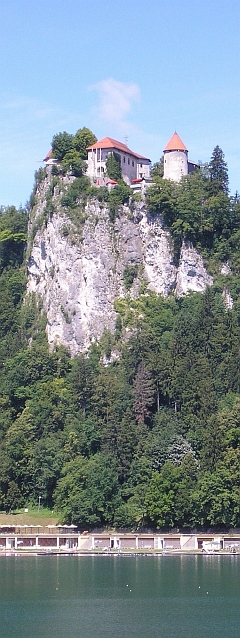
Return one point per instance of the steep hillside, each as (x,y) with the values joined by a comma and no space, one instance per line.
(81,260)
(131,417)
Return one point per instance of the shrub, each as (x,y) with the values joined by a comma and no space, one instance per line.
(129,274)
(119,195)
(79,188)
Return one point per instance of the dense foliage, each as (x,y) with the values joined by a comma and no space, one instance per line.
(152,437)
(71,150)
(113,166)
(199,210)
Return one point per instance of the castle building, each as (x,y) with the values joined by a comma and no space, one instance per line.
(176,162)
(135,168)
(133,165)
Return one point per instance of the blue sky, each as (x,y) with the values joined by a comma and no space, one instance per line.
(123,68)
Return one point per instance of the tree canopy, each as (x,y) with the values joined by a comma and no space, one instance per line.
(71,150)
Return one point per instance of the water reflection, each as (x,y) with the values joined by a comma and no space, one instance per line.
(155,597)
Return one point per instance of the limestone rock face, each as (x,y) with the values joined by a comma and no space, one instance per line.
(79,277)
(191,273)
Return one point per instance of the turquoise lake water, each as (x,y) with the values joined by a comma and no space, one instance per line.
(120,597)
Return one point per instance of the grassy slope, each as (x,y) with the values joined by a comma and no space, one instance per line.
(32,517)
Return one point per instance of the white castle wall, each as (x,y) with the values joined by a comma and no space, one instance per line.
(175,165)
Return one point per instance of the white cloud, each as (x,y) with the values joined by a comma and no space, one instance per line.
(116,100)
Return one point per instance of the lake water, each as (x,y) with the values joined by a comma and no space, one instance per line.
(120,597)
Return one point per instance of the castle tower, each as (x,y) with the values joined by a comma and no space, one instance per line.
(175,159)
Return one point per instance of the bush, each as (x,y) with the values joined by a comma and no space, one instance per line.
(76,191)
(73,162)
(129,274)
(118,195)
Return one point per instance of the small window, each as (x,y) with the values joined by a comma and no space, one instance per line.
(132,163)
(128,161)
(124,160)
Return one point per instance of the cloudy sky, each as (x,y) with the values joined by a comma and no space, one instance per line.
(130,70)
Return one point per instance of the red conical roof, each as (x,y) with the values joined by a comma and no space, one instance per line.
(175,144)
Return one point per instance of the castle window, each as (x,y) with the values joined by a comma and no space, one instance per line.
(128,161)
(124,160)
(132,163)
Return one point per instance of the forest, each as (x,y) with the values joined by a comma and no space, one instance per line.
(151,439)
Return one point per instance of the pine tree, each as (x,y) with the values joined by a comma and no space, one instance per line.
(143,393)
(218,172)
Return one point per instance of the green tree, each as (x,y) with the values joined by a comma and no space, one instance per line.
(143,393)
(19,443)
(81,380)
(62,143)
(46,466)
(188,476)
(72,161)
(216,500)
(87,494)
(161,200)
(82,139)
(13,498)
(13,236)
(160,496)
(157,169)
(76,192)
(113,166)
(218,172)
(118,195)
(193,219)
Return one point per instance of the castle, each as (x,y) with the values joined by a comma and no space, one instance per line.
(133,165)
(136,168)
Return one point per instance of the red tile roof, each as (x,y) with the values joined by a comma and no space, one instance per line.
(49,154)
(108,142)
(175,144)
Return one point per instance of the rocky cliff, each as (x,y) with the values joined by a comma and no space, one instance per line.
(80,272)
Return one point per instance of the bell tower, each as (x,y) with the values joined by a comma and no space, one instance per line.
(175,159)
